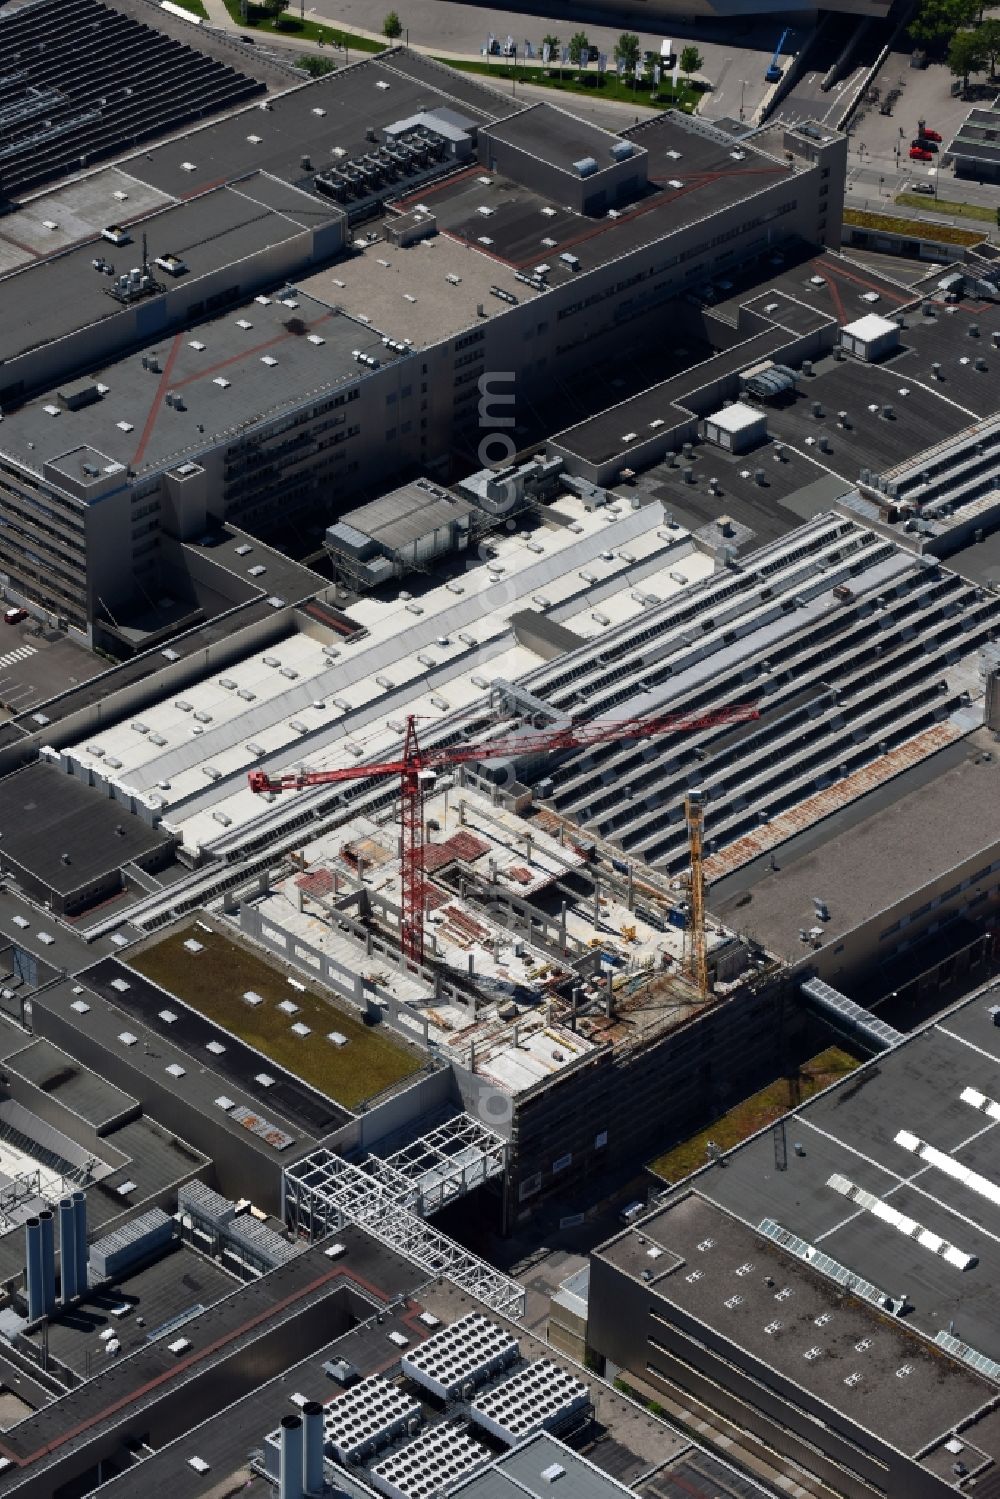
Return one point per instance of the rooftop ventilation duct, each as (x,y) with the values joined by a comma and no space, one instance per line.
(67,1249)
(312,1448)
(34,1274)
(80,1213)
(47,1222)
(290,1486)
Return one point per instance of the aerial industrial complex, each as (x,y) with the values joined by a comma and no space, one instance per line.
(504,664)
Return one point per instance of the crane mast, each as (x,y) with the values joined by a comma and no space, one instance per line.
(416,767)
(694,811)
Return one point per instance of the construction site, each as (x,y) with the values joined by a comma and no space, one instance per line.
(494,824)
(401,850)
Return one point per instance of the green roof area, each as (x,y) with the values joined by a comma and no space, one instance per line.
(889,223)
(755,1113)
(215,983)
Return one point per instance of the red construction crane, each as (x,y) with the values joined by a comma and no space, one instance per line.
(416,769)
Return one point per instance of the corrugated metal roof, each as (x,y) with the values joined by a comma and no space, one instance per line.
(770,834)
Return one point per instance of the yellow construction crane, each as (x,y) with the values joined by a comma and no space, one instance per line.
(694,811)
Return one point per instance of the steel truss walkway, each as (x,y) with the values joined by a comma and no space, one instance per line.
(444,1164)
(322,1191)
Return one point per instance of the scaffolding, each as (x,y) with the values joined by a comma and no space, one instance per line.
(322,1192)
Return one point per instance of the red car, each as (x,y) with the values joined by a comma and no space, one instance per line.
(14,615)
(918,153)
(930,135)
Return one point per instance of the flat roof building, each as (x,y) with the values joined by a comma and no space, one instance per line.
(69,82)
(975,150)
(405,530)
(247,416)
(66,847)
(834,1277)
(693,1298)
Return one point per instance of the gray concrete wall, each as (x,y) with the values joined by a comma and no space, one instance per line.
(423,1097)
(54,1112)
(970,889)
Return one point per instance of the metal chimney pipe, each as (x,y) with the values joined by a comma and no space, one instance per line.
(290,1483)
(312,1447)
(82,1253)
(47,1222)
(33,1255)
(67,1249)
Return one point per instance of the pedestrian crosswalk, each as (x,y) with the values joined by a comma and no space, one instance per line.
(11,658)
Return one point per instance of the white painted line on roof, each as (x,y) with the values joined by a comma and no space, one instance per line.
(879,1165)
(992,1056)
(946,1207)
(930,389)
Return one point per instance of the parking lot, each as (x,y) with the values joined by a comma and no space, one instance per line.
(879,165)
(33,669)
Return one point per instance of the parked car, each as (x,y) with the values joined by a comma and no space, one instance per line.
(14,616)
(929,135)
(921,187)
(923,144)
(918,153)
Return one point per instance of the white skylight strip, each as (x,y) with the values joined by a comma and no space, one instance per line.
(981,1102)
(886,1213)
(946,1163)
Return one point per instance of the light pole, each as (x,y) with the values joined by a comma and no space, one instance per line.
(743,85)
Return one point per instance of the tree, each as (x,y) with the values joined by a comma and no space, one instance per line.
(937,21)
(552,42)
(691,61)
(579,48)
(966,54)
(275,8)
(989,37)
(392,26)
(316,66)
(627,51)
